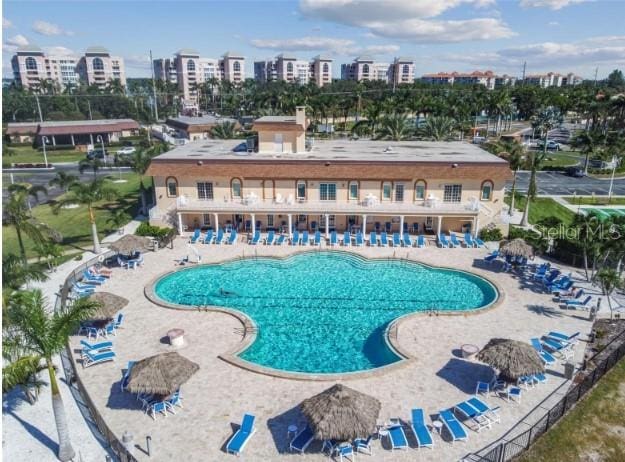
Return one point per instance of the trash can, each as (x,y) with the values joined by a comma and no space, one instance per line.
(569,370)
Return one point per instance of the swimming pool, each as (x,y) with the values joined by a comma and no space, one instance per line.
(324,312)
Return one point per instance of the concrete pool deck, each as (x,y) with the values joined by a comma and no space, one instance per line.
(216,397)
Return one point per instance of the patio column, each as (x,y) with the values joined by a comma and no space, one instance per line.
(476,224)
(327,217)
(73,142)
(216,216)
(438,227)
(401,226)
(253,217)
(180,223)
(290,225)
(91,137)
(53,141)
(364,225)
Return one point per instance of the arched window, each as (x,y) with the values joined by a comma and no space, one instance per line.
(236,66)
(191,65)
(326,68)
(353,190)
(486,193)
(365,69)
(420,188)
(406,69)
(172,187)
(31,64)
(289,67)
(98,64)
(236,188)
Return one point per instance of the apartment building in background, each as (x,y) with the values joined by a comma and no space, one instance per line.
(365,68)
(288,68)
(401,71)
(553,79)
(31,66)
(188,69)
(487,78)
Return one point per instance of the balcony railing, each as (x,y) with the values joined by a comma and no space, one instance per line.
(371,206)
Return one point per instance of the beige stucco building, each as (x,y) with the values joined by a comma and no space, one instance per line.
(290,69)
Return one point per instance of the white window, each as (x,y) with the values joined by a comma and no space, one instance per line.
(270,221)
(399,192)
(205,191)
(353,190)
(419,191)
(453,193)
(236,188)
(172,187)
(301,190)
(206,219)
(387,191)
(236,66)
(331,221)
(487,191)
(327,191)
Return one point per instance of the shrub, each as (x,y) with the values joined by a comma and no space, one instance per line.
(146,229)
(493,234)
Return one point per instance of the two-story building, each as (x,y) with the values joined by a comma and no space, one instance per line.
(290,183)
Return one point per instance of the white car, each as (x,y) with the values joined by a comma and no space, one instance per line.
(126,151)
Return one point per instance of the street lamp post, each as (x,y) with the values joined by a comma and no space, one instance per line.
(612,179)
(101,140)
(44,139)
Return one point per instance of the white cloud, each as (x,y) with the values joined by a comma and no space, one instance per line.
(409,20)
(48,28)
(59,51)
(137,61)
(553,23)
(6,23)
(551,4)
(330,45)
(18,40)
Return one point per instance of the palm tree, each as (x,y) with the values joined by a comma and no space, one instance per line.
(439,128)
(224,131)
(609,280)
(118,219)
(395,127)
(17,213)
(89,194)
(544,121)
(50,252)
(39,335)
(587,237)
(587,142)
(90,164)
(514,153)
(140,162)
(15,273)
(63,180)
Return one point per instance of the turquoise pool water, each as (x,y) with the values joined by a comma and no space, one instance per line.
(324,312)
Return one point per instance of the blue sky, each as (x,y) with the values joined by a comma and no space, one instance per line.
(441,35)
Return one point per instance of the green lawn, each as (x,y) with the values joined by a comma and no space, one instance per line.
(593,430)
(560,159)
(599,200)
(29,155)
(73,224)
(543,207)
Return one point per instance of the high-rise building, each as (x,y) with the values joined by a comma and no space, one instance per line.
(321,70)
(401,71)
(98,67)
(553,79)
(487,78)
(165,69)
(291,69)
(366,68)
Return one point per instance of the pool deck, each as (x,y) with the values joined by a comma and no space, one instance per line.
(216,397)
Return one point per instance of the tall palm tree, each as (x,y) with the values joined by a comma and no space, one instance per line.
(609,280)
(15,273)
(39,335)
(588,142)
(224,131)
(439,128)
(395,127)
(17,214)
(140,162)
(89,194)
(587,226)
(514,153)
(63,180)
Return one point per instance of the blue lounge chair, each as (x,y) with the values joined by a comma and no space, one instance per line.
(126,377)
(468,240)
(452,425)
(373,239)
(232,239)
(539,378)
(575,303)
(208,237)
(454,240)
(383,239)
(559,336)
(553,274)
(442,241)
(305,238)
(473,415)
(317,238)
(195,237)
(77,287)
(271,236)
(95,348)
(255,239)
(396,240)
(176,399)
(421,241)
(159,407)
(117,323)
(577,296)
(360,241)
(87,276)
(295,238)
(91,359)
(220,236)
(565,287)
(334,240)
(514,392)
(406,240)
(491,257)
(242,436)
(547,358)
(420,430)
(491,413)
(302,440)
(558,348)
(281,239)
(363,445)
(347,239)
(479,242)
(397,437)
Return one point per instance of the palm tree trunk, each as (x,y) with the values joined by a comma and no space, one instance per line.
(20,241)
(66,451)
(512,192)
(530,189)
(585,252)
(94,232)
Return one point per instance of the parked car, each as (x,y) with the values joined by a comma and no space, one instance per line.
(479,139)
(125,151)
(551,145)
(98,153)
(575,172)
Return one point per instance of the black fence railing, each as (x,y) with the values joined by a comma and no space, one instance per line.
(508,449)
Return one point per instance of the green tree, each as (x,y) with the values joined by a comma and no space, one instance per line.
(616,79)
(90,164)
(16,274)
(118,218)
(17,214)
(588,143)
(63,180)
(439,128)
(37,334)
(395,127)
(89,194)
(224,131)
(514,153)
(588,237)
(609,280)
(50,252)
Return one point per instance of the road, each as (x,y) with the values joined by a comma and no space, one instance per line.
(559,184)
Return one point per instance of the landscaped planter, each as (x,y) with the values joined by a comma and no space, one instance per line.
(33,166)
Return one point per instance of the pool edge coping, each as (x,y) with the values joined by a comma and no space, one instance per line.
(232,356)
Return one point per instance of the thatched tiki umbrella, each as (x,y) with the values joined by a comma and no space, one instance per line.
(110,304)
(513,359)
(517,248)
(341,413)
(130,243)
(161,374)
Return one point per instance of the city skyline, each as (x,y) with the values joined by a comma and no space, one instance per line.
(449,35)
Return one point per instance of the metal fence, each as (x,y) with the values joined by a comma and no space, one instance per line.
(509,449)
(69,365)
